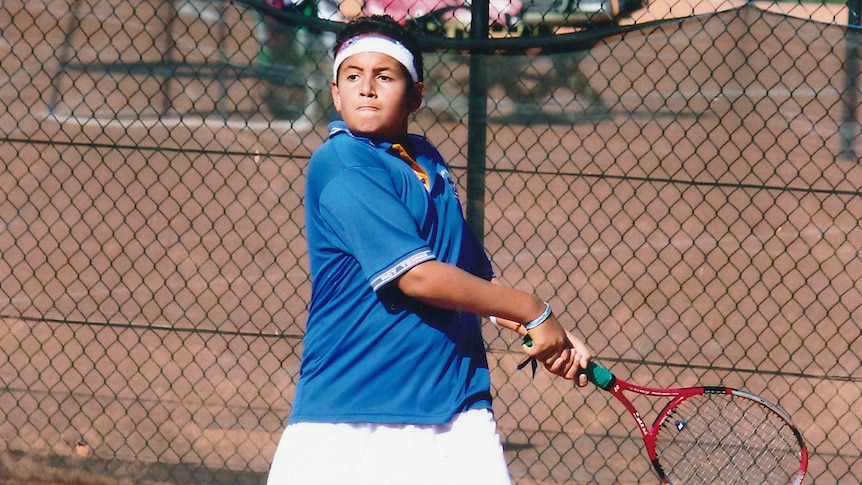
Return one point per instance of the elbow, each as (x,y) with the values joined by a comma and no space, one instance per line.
(410,285)
(414,282)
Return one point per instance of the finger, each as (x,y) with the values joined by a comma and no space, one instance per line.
(558,366)
(568,369)
(573,371)
(584,354)
(558,362)
(582,380)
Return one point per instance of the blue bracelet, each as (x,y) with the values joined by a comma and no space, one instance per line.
(541,319)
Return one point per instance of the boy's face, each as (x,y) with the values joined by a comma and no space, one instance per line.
(375,96)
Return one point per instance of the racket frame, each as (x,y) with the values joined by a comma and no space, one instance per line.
(604,379)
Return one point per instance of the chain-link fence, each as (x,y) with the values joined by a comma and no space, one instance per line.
(681,180)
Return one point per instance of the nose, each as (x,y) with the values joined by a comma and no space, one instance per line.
(367,86)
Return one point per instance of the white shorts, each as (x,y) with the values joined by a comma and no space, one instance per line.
(465,451)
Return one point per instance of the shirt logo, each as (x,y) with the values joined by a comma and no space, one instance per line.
(447,176)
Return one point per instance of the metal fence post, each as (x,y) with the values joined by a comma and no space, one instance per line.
(850,126)
(477,123)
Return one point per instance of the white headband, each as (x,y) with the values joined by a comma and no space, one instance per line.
(378,44)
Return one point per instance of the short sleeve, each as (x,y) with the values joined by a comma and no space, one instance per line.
(370,221)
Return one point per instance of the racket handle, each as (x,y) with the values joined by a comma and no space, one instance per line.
(596,374)
(599,375)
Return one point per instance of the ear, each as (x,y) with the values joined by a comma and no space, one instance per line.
(414,96)
(336,97)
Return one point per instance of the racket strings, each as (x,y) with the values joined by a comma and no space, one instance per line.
(722,438)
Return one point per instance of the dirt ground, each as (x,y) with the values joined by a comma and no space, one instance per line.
(154,281)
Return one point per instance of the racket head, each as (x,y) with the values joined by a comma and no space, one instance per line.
(723,435)
(715,435)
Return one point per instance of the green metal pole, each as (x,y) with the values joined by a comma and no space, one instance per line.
(850,125)
(477,122)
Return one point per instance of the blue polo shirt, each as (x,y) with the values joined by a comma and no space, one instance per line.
(371,354)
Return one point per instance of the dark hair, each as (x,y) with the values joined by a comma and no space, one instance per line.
(383,25)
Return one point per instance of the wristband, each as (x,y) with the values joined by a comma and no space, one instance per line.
(493,320)
(541,318)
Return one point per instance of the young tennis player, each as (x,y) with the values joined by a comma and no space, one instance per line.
(394,386)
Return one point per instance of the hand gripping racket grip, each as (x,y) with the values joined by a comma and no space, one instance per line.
(599,376)
(596,374)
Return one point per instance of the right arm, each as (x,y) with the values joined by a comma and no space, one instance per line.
(447,286)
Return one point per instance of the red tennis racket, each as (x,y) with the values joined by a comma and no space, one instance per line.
(713,435)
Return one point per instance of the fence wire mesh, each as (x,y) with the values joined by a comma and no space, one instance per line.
(680,179)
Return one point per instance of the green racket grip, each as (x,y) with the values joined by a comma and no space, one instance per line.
(599,375)
(595,373)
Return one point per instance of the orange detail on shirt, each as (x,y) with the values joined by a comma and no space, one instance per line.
(399,151)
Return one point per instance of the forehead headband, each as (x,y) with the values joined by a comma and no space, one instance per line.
(378,44)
